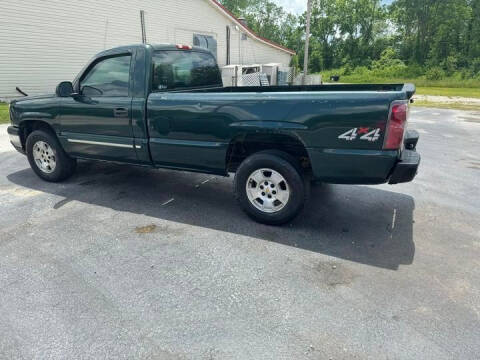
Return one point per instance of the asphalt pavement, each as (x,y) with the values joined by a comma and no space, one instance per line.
(129,262)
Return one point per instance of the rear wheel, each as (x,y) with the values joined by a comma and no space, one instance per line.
(269,188)
(47,158)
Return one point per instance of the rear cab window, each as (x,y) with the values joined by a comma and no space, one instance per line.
(177,70)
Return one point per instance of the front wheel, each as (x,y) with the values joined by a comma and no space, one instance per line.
(269,188)
(47,157)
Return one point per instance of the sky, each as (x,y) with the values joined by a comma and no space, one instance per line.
(293,6)
(300,6)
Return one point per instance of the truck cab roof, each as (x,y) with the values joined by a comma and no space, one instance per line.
(154,47)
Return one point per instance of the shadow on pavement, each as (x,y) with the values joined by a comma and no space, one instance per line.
(357,223)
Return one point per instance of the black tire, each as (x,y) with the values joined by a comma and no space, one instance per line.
(287,157)
(288,170)
(64,165)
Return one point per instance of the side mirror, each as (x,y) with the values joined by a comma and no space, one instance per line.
(64,89)
(88,90)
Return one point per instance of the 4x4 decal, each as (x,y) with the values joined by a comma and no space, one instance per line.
(362,133)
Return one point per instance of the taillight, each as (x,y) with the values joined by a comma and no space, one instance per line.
(396,125)
(184,47)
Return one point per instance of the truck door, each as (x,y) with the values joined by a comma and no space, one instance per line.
(187,130)
(96,123)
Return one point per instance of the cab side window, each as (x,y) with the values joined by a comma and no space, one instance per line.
(109,77)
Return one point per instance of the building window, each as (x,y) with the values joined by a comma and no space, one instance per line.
(207,42)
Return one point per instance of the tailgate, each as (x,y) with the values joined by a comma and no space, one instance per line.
(352,119)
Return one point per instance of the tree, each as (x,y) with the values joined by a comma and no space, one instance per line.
(430,31)
(323,30)
(237,7)
(268,20)
(473,32)
(440,34)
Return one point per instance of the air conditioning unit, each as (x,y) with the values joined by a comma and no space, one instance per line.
(271,70)
(285,76)
(229,75)
(241,75)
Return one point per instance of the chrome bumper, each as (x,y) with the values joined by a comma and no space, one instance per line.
(15,139)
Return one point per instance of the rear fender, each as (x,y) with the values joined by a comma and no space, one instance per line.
(255,138)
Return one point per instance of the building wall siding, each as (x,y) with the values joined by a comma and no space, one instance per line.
(44,42)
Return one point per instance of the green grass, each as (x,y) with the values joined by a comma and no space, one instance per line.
(442,91)
(419,82)
(451,86)
(4,116)
(437,105)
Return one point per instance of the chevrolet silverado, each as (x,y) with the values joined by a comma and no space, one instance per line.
(164,106)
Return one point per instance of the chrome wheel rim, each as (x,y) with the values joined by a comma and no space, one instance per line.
(45,157)
(267,190)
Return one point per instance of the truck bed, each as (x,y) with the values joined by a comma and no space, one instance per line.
(197,127)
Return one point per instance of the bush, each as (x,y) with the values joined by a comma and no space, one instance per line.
(347,70)
(315,62)
(475,67)
(388,59)
(463,74)
(362,70)
(414,71)
(435,73)
(392,71)
(295,63)
(450,64)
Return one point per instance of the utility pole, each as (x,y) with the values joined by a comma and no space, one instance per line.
(307,41)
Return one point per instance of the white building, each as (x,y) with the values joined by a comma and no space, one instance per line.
(43,42)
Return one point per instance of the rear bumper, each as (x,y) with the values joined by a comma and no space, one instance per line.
(15,139)
(406,169)
(411,139)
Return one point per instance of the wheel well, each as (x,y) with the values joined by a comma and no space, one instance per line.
(245,145)
(29,126)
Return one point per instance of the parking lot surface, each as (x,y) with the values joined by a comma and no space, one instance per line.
(129,262)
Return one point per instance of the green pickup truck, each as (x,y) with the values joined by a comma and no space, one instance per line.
(164,106)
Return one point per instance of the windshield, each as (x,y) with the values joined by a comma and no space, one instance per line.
(184,69)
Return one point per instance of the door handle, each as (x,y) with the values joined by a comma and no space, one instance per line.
(120,112)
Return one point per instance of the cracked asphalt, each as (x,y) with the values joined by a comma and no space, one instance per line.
(128,262)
